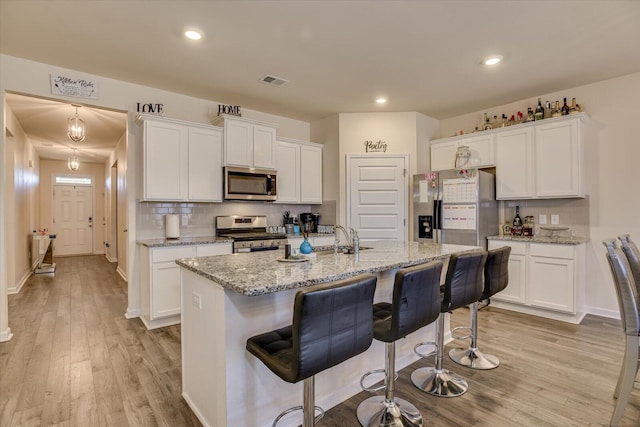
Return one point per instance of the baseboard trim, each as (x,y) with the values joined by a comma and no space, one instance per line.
(6,335)
(132,314)
(603,312)
(121,273)
(110,259)
(16,289)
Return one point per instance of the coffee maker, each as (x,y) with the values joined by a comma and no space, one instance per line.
(310,220)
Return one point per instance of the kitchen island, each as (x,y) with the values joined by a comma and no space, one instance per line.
(227,299)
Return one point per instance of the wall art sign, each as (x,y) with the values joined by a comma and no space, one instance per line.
(375,146)
(233,110)
(73,86)
(150,108)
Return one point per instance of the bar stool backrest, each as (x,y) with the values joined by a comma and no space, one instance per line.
(416,299)
(496,271)
(331,324)
(463,285)
(625,288)
(633,257)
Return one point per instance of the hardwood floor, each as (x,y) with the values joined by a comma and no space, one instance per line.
(75,360)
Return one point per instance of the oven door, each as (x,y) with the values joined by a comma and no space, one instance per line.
(249,184)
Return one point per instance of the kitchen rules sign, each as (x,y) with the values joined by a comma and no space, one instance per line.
(72,86)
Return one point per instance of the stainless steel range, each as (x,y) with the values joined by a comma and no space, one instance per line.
(249,233)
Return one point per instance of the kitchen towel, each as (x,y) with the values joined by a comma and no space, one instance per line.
(172,226)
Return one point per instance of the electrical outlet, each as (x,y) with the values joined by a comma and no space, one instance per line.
(542,219)
(196,299)
(555,219)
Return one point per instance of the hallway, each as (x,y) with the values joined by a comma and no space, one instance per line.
(75,360)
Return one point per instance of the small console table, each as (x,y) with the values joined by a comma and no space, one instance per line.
(42,254)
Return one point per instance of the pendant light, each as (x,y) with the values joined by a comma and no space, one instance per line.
(75,127)
(73,163)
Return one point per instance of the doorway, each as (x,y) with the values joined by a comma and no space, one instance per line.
(377,194)
(73,219)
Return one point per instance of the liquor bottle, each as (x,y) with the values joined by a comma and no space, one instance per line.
(504,121)
(565,108)
(530,117)
(487,125)
(556,110)
(517,223)
(547,110)
(539,114)
(575,108)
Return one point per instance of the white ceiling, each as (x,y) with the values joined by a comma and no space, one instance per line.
(338,55)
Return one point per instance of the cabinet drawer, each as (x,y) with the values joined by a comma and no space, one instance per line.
(171,254)
(517,248)
(210,250)
(552,251)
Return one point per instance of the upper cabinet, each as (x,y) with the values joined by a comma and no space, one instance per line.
(299,166)
(248,143)
(181,161)
(481,146)
(541,160)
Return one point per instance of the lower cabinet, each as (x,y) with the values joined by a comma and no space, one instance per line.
(160,280)
(544,279)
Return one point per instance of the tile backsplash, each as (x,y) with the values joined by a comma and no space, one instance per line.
(198,219)
(573,213)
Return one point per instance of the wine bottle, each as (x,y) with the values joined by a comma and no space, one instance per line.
(539,113)
(517,223)
(565,108)
(556,110)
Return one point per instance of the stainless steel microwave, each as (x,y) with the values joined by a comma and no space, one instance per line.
(249,184)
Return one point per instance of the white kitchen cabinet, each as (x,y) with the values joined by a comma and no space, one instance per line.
(541,159)
(160,280)
(481,146)
(544,279)
(181,161)
(248,143)
(299,166)
(515,173)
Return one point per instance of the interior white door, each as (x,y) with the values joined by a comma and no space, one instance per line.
(377,196)
(73,219)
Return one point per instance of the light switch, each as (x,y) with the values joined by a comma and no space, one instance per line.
(555,219)
(542,219)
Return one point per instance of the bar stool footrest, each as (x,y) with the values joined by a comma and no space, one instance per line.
(460,337)
(425,355)
(381,387)
(295,409)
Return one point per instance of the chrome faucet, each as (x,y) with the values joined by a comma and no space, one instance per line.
(353,240)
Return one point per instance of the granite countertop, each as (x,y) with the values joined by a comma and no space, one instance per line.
(259,273)
(184,241)
(558,240)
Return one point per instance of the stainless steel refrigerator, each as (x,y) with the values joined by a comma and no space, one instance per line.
(454,207)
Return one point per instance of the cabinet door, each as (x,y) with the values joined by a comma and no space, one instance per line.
(310,174)
(165,290)
(165,161)
(205,165)
(558,162)
(482,150)
(238,143)
(264,141)
(443,155)
(288,166)
(515,290)
(551,278)
(514,164)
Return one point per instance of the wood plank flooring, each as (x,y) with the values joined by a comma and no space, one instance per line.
(75,360)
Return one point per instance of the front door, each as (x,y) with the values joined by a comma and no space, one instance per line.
(73,219)
(377,191)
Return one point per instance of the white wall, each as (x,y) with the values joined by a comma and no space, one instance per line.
(612,153)
(32,78)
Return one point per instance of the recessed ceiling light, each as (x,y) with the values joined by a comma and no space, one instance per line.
(381,100)
(193,34)
(492,60)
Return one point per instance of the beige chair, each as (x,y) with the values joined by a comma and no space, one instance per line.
(627,294)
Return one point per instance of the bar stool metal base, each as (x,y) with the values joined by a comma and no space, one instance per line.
(474,358)
(441,383)
(376,411)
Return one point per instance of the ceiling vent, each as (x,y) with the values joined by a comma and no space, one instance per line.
(273,80)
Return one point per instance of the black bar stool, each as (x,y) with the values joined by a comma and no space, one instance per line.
(331,323)
(496,278)
(628,302)
(463,286)
(416,303)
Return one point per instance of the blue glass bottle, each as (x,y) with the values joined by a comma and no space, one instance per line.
(305,247)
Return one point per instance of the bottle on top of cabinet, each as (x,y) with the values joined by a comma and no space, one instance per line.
(556,110)
(539,112)
(565,108)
